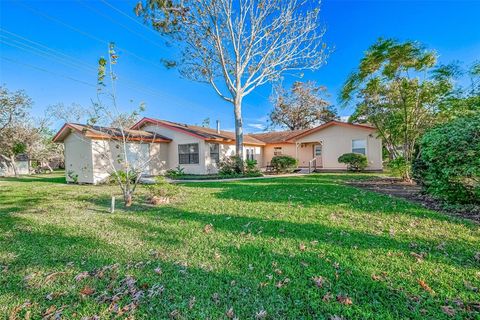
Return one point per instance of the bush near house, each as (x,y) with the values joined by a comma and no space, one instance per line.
(283,163)
(354,161)
(399,167)
(449,163)
(232,167)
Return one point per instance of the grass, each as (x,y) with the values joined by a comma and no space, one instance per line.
(212,176)
(304,247)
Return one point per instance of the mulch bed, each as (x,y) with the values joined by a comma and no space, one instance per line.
(412,192)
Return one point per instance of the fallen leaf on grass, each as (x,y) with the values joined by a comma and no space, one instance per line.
(448,310)
(215,298)
(158,271)
(318,281)
(175,314)
(52,276)
(376,277)
(208,228)
(425,286)
(191,302)
(86,291)
(418,256)
(282,283)
(81,276)
(302,247)
(344,300)
(262,314)
(477,256)
(469,286)
(229,314)
(327,297)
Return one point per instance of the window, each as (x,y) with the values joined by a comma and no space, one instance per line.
(188,153)
(215,152)
(318,150)
(250,153)
(277,151)
(359,146)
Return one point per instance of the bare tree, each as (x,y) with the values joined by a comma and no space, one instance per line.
(13,106)
(120,149)
(72,113)
(239,45)
(302,107)
(15,128)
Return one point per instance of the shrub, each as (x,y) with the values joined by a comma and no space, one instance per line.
(161,188)
(283,163)
(175,173)
(230,166)
(399,167)
(449,164)
(251,169)
(72,175)
(354,161)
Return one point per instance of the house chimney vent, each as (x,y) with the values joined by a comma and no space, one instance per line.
(218,126)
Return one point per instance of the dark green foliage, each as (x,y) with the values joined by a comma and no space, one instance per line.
(284,163)
(251,168)
(354,161)
(175,173)
(449,165)
(399,167)
(230,166)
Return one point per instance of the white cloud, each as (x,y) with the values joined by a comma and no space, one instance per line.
(258,126)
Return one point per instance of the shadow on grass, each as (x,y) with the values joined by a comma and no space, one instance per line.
(41,178)
(456,252)
(321,189)
(50,249)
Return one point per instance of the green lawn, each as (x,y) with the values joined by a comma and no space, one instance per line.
(305,247)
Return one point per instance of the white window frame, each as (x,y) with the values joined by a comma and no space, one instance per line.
(212,159)
(190,154)
(351,145)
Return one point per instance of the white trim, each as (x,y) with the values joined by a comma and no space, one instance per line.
(366,146)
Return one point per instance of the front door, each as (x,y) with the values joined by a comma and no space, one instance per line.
(317,154)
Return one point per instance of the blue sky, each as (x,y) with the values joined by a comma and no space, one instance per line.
(81,29)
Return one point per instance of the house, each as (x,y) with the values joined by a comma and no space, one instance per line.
(22,163)
(89,150)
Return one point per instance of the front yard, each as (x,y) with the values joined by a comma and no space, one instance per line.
(304,247)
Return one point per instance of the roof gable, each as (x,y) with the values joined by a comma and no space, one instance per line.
(103,133)
(292,136)
(333,123)
(207,134)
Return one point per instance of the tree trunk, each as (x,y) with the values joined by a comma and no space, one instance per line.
(14,166)
(127,197)
(238,127)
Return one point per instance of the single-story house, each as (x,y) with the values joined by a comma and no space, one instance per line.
(91,151)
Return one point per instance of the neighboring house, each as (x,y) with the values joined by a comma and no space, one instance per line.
(22,163)
(198,150)
(324,143)
(91,151)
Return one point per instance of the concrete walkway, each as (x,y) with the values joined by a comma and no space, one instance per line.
(241,179)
